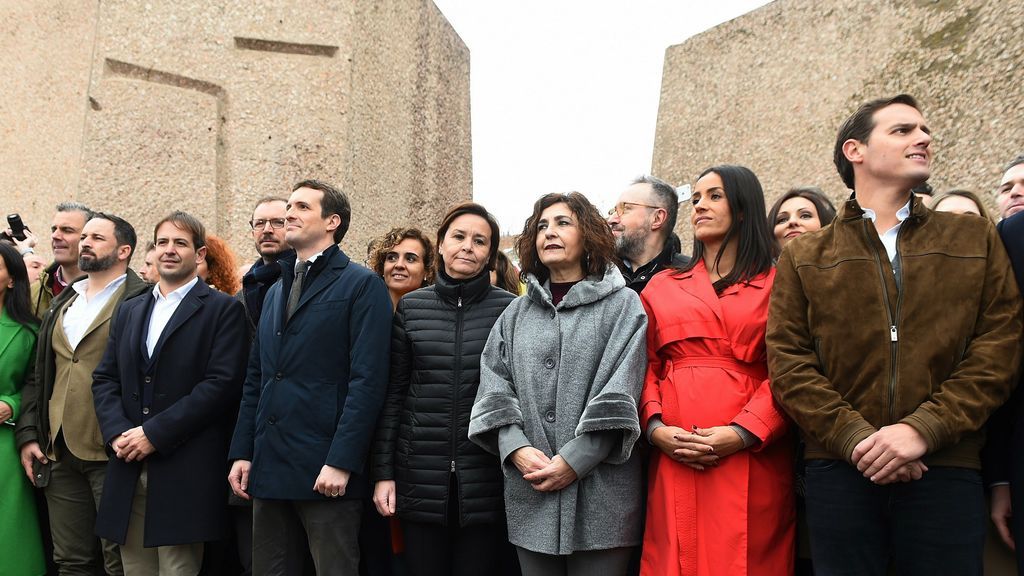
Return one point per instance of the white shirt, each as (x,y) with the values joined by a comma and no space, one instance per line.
(83,311)
(888,237)
(163,309)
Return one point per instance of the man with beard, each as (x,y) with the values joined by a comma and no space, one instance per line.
(268,221)
(642,222)
(165,392)
(58,427)
(1010,193)
(65,233)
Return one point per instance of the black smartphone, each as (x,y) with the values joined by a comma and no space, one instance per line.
(40,473)
(16,225)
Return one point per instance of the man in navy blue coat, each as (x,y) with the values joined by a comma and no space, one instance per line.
(165,393)
(316,382)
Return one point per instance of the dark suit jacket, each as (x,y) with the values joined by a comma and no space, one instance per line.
(315,385)
(184,397)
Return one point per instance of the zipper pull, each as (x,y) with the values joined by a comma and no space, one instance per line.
(460,306)
(453,465)
(892,333)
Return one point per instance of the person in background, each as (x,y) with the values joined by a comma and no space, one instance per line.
(148,271)
(445,490)
(723,454)
(504,275)
(21,547)
(560,377)
(642,222)
(220,267)
(959,202)
(404,258)
(799,211)
(65,233)
(1010,192)
(268,233)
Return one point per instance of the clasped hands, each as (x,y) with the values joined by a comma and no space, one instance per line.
(545,474)
(891,454)
(132,445)
(698,448)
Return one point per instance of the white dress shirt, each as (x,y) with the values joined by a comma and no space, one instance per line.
(889,236)
(83,311)
(163,309)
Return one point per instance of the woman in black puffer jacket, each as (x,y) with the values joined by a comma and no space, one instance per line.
(446,491)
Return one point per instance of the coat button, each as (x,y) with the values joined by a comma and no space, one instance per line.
(145,410)
(549,363)
(278,376)
(278,332)
(550,416)
(272,420)
(75,360)
(135,396)
(147,379)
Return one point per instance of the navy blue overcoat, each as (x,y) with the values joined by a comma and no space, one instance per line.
(315,385)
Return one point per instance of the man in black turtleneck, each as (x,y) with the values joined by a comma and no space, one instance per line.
(642,223)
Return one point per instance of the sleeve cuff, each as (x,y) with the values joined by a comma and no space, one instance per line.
(584,452)
(748,438)
(510,439)
(653,424)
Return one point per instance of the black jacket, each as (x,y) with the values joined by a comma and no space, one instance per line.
(255,284)
(422,437)
(637,279)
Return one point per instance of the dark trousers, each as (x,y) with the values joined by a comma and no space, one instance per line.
(935,525)
(283,529)
(611,562)
(453,550)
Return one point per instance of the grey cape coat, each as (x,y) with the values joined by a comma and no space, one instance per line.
(558,374)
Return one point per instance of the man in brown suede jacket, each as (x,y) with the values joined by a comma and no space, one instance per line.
(893,334)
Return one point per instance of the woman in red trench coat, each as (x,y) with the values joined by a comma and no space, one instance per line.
(720,500)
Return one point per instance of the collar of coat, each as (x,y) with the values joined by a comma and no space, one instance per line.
(469,290)
(587,291)
(852,210)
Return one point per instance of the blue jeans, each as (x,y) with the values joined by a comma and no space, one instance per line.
(935,525)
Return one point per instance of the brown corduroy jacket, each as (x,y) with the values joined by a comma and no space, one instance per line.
(850,351)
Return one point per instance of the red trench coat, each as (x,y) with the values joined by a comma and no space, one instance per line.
(707,367)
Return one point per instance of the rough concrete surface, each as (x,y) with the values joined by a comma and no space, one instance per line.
(769,89)
(139,107)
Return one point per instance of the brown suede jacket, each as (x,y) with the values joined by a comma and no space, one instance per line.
(849,352)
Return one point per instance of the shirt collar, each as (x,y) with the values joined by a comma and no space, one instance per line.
(176,295)
(83,285)
(901,214)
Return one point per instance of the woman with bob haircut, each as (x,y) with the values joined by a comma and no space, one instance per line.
(559,382)
(220,267)
(721,498)
(404,258)
(21,547)
(799,211)
(445,490)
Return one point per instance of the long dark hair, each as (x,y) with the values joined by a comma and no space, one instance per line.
(596,237)
(17,303)
(748,229)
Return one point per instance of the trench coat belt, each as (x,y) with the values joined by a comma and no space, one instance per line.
(756,370)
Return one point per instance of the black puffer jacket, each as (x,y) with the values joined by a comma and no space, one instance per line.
(422,436)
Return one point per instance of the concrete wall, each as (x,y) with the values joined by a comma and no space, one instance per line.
(769,89)
(139,107)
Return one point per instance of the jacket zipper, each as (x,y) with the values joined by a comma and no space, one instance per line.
(893,318)
(455,389)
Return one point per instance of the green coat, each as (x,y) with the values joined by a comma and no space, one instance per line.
(20,544)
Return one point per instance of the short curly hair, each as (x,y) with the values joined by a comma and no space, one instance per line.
(393,238)
(596,236)
(222,265)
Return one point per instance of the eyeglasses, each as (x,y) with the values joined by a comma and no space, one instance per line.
(620,208)
(275,223)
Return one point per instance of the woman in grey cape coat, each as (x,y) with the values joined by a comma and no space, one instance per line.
(559,381)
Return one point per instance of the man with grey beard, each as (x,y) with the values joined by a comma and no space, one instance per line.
(642,222)
(58,428)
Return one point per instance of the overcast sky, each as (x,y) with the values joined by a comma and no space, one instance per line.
(565,92)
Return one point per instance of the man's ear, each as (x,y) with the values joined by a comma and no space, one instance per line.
(333,222)
(201,255)
(854,151)
(659,219)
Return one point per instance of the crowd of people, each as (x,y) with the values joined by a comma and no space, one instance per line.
(840,379)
